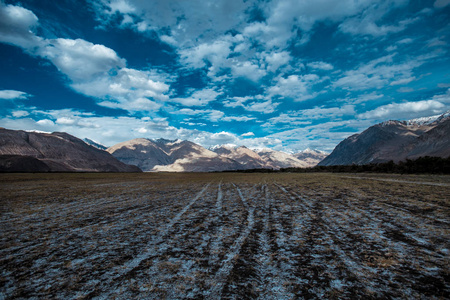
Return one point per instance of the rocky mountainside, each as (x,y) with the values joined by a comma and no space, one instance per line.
(311,157)
(184,156)
(171,156)
(394,140)
(278,159)
(22,151)
(249,159)
(94,144)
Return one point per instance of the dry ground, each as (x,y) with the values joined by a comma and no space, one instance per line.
(228,236)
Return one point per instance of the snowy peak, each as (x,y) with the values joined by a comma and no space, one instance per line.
(395,140)
(311,156)
(278,159)
(95,144)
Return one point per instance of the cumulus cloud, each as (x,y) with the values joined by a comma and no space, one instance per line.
(247,134)
(92,69)
(81,60)
(406,110)
(17,25)
(247,69)
(13,95)
(298,87)
(320,65)
(198,98)
(275,60)
(20,113)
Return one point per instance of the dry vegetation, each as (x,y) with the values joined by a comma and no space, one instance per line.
(231,236)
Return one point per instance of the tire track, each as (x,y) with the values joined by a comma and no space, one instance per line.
(120,271)
(220,278)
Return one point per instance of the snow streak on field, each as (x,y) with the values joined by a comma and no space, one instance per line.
(229,236)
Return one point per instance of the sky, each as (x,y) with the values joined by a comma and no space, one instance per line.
(282,74)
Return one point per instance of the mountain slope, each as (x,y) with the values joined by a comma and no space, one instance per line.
(311,157)
(394,140)
(171,156)
(249,159)
(277,159)
(143,153)
(58,151)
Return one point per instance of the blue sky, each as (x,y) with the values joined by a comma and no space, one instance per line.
(283,74)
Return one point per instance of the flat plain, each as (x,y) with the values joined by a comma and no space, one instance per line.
(224,236)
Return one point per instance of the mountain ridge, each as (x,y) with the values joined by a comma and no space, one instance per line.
(394,140)
(23,151)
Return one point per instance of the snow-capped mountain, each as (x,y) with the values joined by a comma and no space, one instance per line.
(395,140)
(95,144)
(279,159)
(249,159)
(184,156)
(310,156)
(171,156)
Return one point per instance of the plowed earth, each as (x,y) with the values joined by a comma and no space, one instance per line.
(224,236)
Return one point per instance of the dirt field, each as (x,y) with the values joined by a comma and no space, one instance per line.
(224,236)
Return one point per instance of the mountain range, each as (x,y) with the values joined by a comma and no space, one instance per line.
(396,141)
(22,151)
(185,156)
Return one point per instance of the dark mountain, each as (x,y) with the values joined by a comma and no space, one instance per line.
(94,144)
(58,151)
(394,140)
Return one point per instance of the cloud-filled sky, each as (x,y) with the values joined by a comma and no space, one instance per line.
(284,74)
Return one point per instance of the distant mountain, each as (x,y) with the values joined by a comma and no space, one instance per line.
(22,151)
(311,157)
(394,140)
(249,159)
(171,156)
(278,159)
(94,144)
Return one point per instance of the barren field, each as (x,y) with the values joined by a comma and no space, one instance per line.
(224,236)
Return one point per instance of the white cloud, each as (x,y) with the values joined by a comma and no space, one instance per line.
(305,116)
(186,21)
(406,110)
(247,69)
(320,65)
(93,70)
(298,87)
(128,89)
(403,81)
(247,134)
(198,98)
(13,95)
(367,26)
(367,22)
(17,25)
(275,60)
(211,115)
(20,113)
(379,73)
(237,119)
(81,60)
(216,53)
(258,103)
